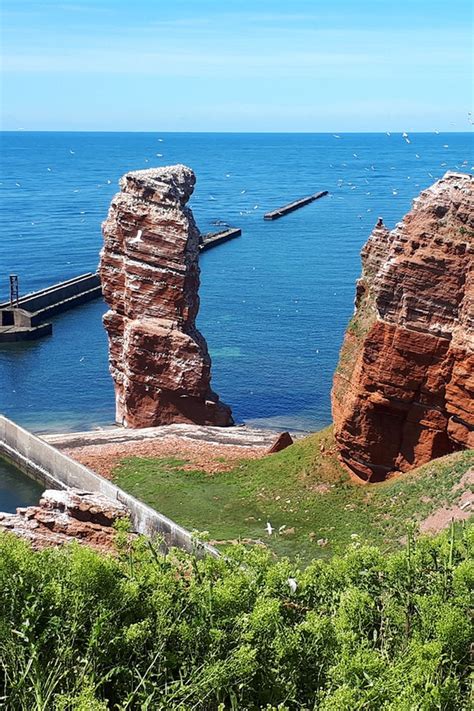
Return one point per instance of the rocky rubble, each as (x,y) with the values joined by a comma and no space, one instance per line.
(403,391)
(64,516)
(150,277)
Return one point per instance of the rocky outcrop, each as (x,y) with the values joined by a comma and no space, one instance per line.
(150,276)
(283,441)
(403,391)
(64,516)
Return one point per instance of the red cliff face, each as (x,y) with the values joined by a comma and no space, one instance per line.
(150,277)
(403,391)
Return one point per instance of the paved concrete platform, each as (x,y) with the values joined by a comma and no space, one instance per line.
(240,436)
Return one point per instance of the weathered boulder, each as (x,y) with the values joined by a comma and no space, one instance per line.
(282,441)
(403,391)
(150,277)
(64,516)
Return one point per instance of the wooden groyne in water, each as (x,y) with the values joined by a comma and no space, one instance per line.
(215,238)
(25,319)
(281,211)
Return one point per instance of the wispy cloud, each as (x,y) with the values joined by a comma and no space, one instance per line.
(213,58)
(137,58)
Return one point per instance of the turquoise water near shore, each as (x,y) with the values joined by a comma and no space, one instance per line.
(274,302)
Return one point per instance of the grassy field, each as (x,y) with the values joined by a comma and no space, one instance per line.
(302,489)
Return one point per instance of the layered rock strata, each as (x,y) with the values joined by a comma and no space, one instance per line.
(403,391)
(64,516)
(150,277)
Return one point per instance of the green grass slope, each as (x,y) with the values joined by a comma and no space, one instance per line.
(303,489)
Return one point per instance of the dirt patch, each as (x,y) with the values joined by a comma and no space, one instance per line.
(461,511)
(237,542)
(320,488)
(206,456)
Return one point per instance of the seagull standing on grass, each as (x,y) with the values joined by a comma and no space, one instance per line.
(269,528)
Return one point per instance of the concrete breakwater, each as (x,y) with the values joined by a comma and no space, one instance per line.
(285,209)
(25,319)
(56,470)
(215,238)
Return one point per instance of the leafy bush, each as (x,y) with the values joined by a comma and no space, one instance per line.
(143,630)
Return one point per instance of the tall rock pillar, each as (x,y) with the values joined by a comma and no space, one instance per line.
(150,276)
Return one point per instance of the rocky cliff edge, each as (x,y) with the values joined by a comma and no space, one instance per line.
(403,391)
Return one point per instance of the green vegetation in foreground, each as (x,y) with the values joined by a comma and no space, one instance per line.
(301,488)
(81,631)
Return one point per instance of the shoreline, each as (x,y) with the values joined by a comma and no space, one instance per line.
(211,449)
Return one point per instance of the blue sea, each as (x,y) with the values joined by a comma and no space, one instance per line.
(274,302)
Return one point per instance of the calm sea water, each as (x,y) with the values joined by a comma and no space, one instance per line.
(16,489)
(274,302)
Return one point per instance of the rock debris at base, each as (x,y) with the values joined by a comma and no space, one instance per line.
(67,515)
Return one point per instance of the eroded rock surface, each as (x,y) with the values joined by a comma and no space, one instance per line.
(64,516)
(403,391)
(283,441)
(150,276)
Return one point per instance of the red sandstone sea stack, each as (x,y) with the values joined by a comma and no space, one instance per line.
(403,391)
(150,277)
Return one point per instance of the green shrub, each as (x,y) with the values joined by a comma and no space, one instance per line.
(81,631)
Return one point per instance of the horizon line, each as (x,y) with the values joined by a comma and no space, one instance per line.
(263,133)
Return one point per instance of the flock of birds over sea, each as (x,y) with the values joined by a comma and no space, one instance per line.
(342,183)
(249,206)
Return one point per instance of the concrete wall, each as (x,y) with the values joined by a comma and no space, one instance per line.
(16,334)
(25,297)
(56,470)
(21,317)
(60,292)
(69,303)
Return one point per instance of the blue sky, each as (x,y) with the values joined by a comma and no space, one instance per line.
(225,65)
